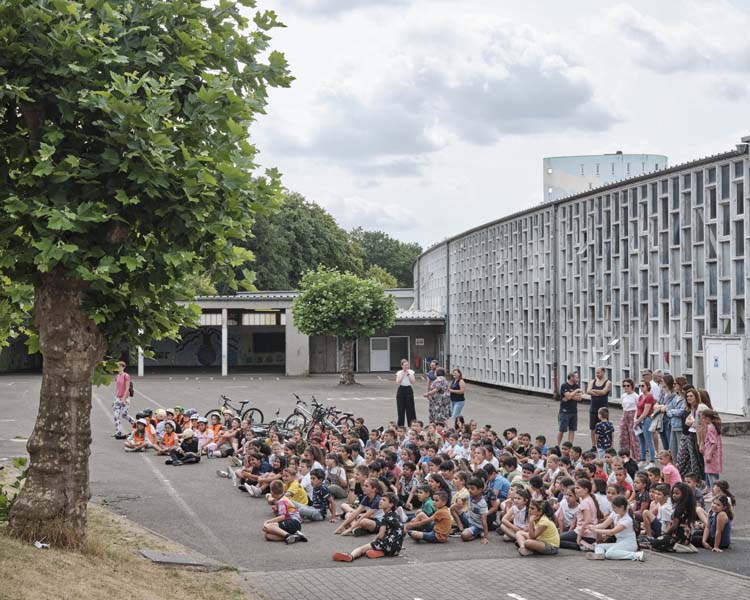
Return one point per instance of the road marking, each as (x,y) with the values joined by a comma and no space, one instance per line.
(151,400)
(595,594)
(516,596)
(194,519)
(7,420)
(12,383)
(235,387)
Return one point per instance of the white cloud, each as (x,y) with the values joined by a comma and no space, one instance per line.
(326,8)
(446,81)
(356,211)
(686,45)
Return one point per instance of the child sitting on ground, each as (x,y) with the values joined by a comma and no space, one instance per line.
(441,520)
(390,535)
(542,537)
(286,526)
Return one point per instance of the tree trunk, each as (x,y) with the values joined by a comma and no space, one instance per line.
(347,362)
(52,504)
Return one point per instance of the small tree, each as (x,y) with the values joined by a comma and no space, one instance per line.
(125,169)
(343,305)
(382,276)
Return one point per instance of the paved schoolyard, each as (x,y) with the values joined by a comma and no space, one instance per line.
(194,507)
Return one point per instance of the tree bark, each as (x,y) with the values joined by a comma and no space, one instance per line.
(347,362)
(52,504)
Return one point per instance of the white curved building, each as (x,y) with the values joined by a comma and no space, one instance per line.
(649,272)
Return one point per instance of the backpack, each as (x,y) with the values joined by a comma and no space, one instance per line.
(130,390)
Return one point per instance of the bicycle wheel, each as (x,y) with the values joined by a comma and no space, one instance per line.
(254,415)
(216,411)
(345,419)
(295,420)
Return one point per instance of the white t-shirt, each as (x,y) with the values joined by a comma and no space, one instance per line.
(405,379)
(629,402)
(604,504)
(627,534)
(656,391)
(307,485)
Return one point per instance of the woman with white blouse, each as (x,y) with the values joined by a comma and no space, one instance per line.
(628,436)
(405,395)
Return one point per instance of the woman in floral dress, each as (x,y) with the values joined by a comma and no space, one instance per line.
(439,399)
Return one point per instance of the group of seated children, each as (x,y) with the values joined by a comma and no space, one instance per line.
(432,484)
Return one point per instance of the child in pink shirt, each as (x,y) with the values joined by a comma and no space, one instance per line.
(669,472)
(713,449)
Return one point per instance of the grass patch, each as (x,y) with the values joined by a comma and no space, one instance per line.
(108,566)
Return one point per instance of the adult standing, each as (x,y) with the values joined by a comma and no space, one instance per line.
(629,400)
(675,412)
(689,459)
(570,396)
(654,382)
(405,395)
(432,374)
(439,404)
(458,393)
(667,391)
(643,422)
(599,389)
(122,399)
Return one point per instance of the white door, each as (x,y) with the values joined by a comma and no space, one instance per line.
(380,354)
(723,368)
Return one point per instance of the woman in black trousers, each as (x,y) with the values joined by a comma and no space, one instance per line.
(405,396)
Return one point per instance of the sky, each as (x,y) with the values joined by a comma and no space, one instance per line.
(424,118)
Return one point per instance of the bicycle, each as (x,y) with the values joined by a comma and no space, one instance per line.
(305,420)
(254,415)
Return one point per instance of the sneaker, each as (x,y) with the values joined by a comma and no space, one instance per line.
(375,554)
(640,556)
(233,477)
(301,536)
(359,532)
(222,473)
(685,549)
(120,436)
(168,461)
(256,491)
(290,539)
(236,461)
(401,514)
(525,552)
(342,557)
(507,538)
(454,534)
(592,556)
(250,489)
(209,453)
(176,463)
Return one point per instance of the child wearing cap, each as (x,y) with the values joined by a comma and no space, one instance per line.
(168,440)
(138,440)
(186,452)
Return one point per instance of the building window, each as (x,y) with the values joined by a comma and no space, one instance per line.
(597,169)
(582,169)
(628,168)
(613,168)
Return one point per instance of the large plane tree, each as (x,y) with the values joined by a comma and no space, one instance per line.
(125,168)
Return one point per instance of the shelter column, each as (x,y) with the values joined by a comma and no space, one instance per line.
(140,361)
(224,342)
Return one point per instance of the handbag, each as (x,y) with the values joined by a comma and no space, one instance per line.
(637,430)
(664,543)
(657,423)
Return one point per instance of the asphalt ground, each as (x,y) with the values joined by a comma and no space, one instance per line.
(193,506)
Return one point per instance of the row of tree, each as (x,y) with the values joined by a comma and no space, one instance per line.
(301,235)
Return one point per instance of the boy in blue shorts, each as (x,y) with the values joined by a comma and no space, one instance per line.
(474,518)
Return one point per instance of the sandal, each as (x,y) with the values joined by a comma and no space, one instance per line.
(342,557)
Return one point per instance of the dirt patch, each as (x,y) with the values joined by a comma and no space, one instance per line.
(107,567)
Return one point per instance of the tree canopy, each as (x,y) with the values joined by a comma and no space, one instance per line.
(396,257)
(343,305)
(296,238)
(125,169)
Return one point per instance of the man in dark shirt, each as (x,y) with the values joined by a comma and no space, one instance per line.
(570,396)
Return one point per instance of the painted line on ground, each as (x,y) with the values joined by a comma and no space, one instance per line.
(7,420)
(11,383)
(595,594)
(516,596)
(179,500)
(159,404)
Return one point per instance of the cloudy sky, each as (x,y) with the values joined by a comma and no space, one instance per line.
(424,118)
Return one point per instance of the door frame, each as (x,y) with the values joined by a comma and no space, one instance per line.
(388,342)
(408,346)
